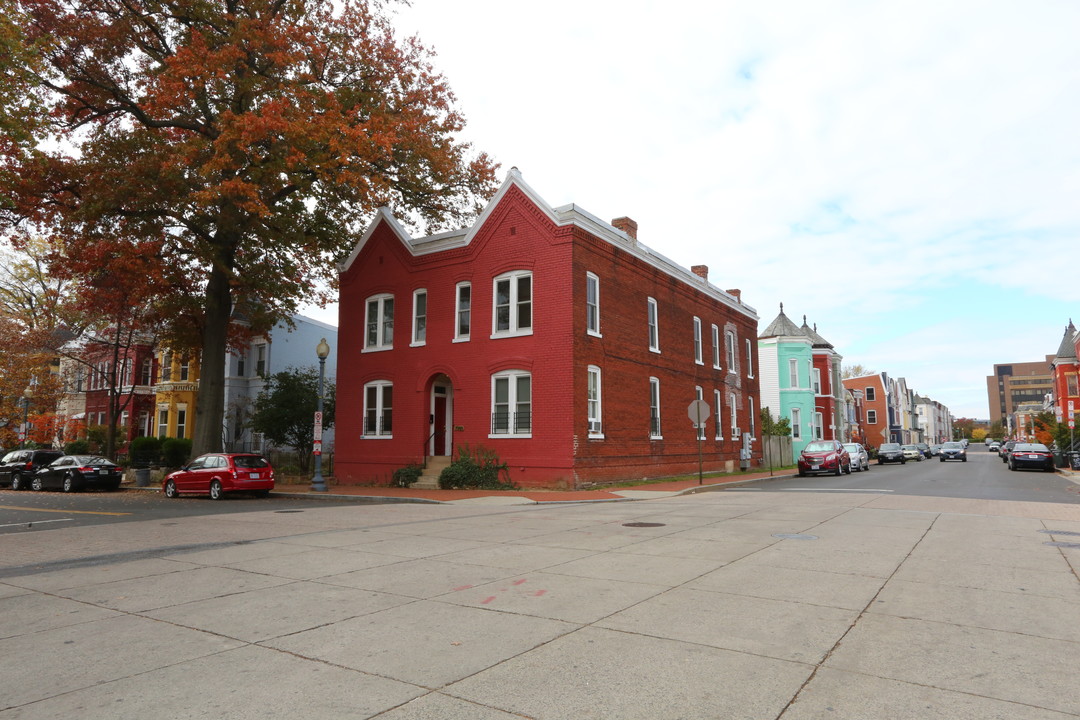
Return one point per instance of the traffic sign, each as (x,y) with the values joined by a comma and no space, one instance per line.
(698,412)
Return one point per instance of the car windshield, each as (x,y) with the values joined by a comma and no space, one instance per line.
(851,447)
(890,446)
(89,460)
(910,447)
(953,446)
(820,447)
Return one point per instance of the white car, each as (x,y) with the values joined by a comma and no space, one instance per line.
(912,452)
(860,459)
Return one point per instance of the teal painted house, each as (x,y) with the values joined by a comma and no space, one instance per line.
(786,362)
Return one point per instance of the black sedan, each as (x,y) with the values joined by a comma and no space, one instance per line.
(953,451)
(78,472)
(1031,455)
(890,452)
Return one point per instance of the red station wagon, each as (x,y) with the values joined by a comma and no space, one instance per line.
(215,474)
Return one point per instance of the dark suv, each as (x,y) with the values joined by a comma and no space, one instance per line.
(19,466)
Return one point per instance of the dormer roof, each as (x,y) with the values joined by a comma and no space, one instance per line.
(782,326)
(1067,349)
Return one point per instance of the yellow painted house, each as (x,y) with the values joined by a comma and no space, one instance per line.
(175,393)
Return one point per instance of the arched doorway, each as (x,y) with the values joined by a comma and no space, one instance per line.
(441,419)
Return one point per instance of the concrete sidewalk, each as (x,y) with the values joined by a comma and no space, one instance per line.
(747,603)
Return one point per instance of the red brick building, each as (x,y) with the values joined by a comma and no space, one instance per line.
(546,335)
(878,422)
(1065,369)
(130,373)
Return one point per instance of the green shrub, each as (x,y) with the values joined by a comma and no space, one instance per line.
(476,468)
(145,451)
(406,476)
(175,451)
(77,447)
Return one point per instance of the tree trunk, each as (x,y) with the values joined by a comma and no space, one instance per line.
(210,402)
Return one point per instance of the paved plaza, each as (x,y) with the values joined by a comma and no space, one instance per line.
(744,603)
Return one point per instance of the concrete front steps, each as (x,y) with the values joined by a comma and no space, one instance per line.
(433,467)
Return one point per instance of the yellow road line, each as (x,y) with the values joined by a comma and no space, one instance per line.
(63,512)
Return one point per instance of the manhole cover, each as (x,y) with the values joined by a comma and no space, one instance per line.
(287,511)
(640,524)
(794,536)
(1070,533)
(1063,544)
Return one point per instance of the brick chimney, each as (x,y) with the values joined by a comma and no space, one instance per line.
(627,225)
(702,271)
(737,294)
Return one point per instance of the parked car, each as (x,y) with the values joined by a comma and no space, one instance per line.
(215,474)
(1003,453)
(18,467)
(860,459)
(953,451)
(71,473)
(924,449)
(890,452)
(935,450)
(912,452)
(1027,455)
(827,456)
(994,446)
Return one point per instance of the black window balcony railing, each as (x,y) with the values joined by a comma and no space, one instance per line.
(378,425)
(505,423)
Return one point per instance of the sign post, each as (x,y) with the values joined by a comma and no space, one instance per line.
(699,411)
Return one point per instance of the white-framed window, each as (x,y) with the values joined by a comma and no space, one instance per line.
(260,354)
(379,320)
(698,394)
(871,394)
(241,364)
(463,326)
(871,417)
(729,343)
(793,373)
(718,414)
(751,418)
(715,347)
(511,404)
(592,304)
(181,421)
(733,413)
(185,371)
(796,424)
(819,429)
(512,305)
(654,327)
(379,409)
(163,422)
(654,408)
(749,360)
(697,342)
(815,373)
(419,317)
(596,426)
(146,372)
(166,367)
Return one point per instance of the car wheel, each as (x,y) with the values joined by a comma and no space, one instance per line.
(839,470)
(849,468)
(35,484)
(17,482)
(69,483)
(802,474)
(170,489)
(215,490)
(963,459)
(1012,466)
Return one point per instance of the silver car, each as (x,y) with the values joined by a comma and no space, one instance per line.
(860,459)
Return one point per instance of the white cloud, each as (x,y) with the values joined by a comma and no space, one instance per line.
(877,165)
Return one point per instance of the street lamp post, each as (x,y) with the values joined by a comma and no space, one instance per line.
(25,402)
(317,482)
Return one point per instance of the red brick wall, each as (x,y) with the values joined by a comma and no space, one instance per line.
(517,235)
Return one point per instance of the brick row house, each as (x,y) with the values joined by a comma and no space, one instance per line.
(800,381)
(1065,369)
(546,335)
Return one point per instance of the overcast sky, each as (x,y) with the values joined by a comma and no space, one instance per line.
(905,174)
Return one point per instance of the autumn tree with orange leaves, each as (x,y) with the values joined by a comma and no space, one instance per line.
(246,141)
